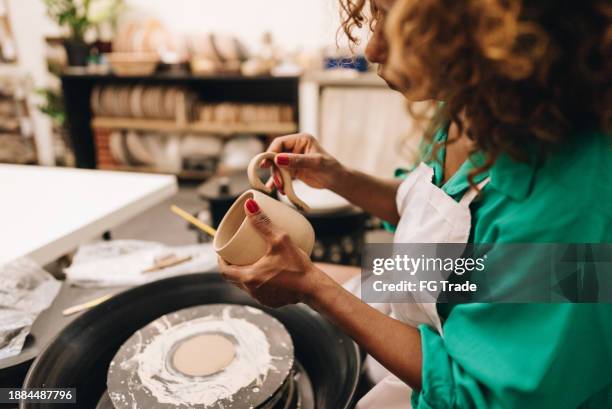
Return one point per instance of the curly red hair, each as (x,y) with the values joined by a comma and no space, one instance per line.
(512,73)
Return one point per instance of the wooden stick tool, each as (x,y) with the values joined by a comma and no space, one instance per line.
(197,223)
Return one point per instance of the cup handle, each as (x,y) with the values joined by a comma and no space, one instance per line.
(285,176)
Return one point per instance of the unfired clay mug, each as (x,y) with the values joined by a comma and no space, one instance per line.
(237,241)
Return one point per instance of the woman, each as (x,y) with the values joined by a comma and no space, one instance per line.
(525,121)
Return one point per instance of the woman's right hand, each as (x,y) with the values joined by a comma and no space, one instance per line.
(306,160)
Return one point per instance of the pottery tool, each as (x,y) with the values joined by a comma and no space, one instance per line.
(157,369)
(196,222)
(168,261)
(86,305)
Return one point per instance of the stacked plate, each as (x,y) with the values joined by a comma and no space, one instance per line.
(147,36)
(233,113)
(136,101)
(164,152)
(216,53)
(161,152)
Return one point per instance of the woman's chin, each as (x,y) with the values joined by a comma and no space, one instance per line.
(391,84)
(405,89)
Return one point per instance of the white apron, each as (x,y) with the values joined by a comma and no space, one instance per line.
(428,215)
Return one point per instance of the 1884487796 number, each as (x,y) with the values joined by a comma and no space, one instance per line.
(40,395)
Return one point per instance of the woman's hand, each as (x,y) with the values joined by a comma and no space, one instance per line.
(285,275)
(306,160)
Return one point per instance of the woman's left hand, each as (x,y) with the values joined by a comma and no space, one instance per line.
(284,275)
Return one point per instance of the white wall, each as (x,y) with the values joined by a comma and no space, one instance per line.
(305,24)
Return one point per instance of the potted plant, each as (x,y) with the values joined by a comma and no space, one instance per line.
(78,16)
(72,14)
(52,105)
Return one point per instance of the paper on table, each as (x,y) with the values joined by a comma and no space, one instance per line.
(109,249)
(26,291)
(123,263)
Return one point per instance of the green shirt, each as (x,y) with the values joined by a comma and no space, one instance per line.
(528,356)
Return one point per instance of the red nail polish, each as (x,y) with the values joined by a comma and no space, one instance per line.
(282,160)
(252,206)
(277,182)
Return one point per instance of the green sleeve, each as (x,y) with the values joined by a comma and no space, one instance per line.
(389,227)
(528,356)
(518,356)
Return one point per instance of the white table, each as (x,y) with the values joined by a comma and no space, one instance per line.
(47,212)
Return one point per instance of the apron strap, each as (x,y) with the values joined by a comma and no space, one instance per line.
(471,194)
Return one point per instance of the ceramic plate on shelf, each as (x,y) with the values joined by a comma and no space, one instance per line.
(153,102)
(168,156)
(136,97)
(95,101)
(156,102)
(116,101)
(137,38)
(201,145)
(159,102)
(154,36)
(123,40)
(117,147)
(154,144)
(238,152)
(106,100)
(147,104)
(138,149)
(124,101)
(170,101)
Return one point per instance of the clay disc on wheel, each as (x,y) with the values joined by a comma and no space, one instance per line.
(207,357)
(203,355)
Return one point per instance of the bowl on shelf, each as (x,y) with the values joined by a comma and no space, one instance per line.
(161,152)
(133,64)
(238,151)
(118,149)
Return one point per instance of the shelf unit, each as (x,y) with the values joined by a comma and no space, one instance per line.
(16,123)
(77,85)
(194,127)
(185,174)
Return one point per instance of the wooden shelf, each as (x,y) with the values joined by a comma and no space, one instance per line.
(272,128)
(193,127)
(184,174)
(137,124)
(181,76)
(77,86)
(345,79)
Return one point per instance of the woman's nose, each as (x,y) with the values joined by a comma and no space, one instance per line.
(377,50)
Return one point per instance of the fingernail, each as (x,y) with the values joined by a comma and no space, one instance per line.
(278,183)
(282,160)
(252,206)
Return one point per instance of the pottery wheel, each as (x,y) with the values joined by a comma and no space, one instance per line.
(252,358)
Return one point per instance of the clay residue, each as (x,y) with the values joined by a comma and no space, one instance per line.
(155,372)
